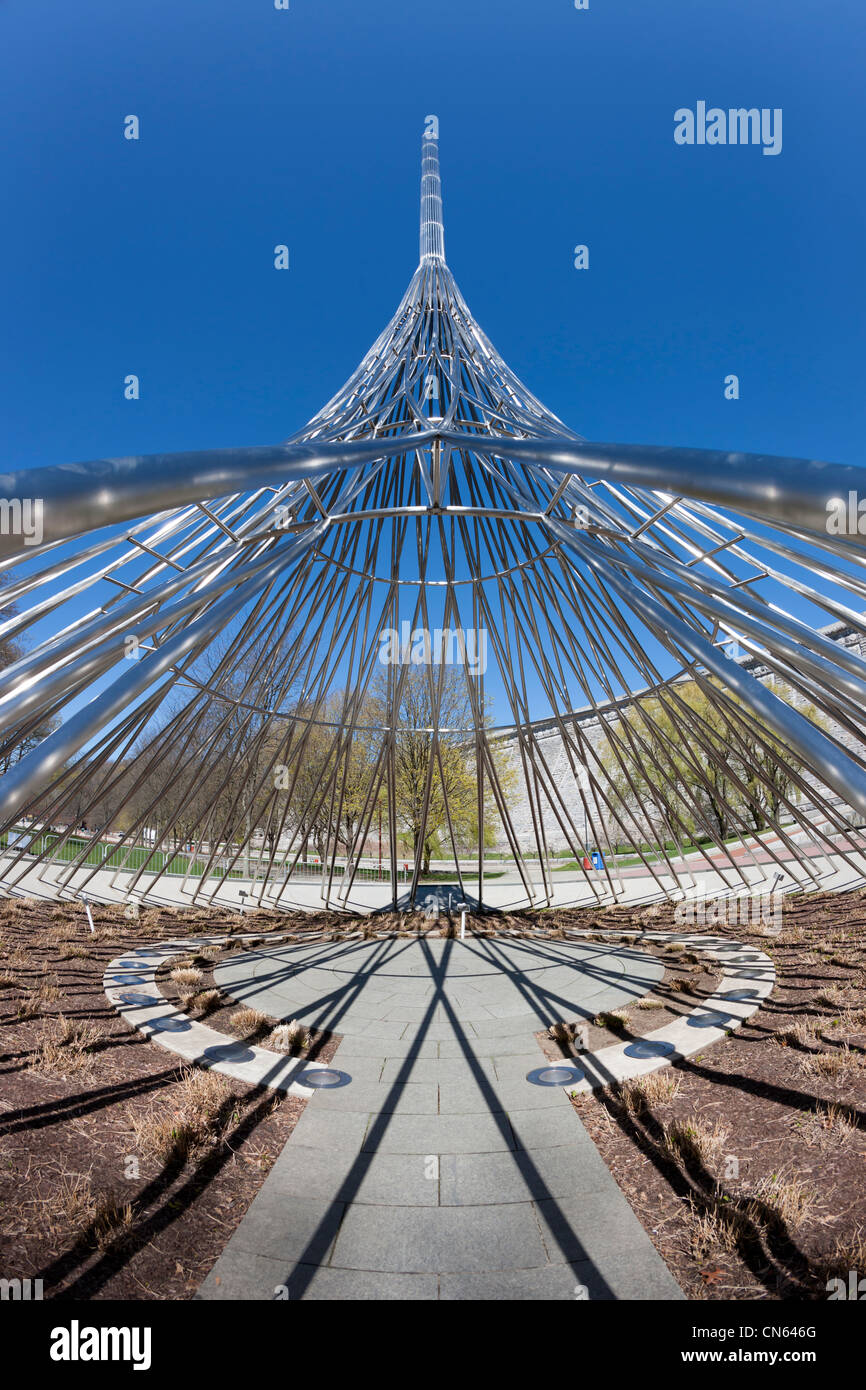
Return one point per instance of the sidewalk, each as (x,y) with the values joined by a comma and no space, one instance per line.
(440,1171)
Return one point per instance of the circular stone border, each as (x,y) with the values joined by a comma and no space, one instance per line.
(694,1031)
(162,1023)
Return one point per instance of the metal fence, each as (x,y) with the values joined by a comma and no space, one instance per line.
(53,848)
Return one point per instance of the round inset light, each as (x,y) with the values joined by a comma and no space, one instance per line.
(169,1025)
(645,1047)
(740,996)
(320,1078)
(128,979)
(229,1052)
(140,1001)
(711,1020)
(555,1075)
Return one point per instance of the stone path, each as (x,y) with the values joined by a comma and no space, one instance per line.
(439,1171)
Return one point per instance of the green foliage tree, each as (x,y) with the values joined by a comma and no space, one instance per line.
(433,717)
(723,770)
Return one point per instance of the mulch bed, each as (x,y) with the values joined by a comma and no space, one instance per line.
(81,1207)
(320,1046)
(749,1173)
(686,983)
(746,1168)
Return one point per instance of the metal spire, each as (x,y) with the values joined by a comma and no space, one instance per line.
(432,226)
(253,587)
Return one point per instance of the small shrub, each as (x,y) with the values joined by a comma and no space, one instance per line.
(186,977)
(694,1140)
(207,1000)
(617,1020)
(290,1037)
(248,1022)
(655,1088)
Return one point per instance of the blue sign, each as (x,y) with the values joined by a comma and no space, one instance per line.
(597,859)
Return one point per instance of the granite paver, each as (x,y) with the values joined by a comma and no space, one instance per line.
(439,1172)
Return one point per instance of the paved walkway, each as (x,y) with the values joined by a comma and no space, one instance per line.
(569,890)
(439,1171)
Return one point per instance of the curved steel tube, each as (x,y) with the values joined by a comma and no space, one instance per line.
(783,491)
(104,492)
(78,497)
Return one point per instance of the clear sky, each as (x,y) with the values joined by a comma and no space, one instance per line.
(303,126)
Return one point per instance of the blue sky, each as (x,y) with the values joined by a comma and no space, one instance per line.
(303,127)
(261,127)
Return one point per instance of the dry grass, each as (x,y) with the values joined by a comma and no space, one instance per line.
(695,1140)
(70,1203)
(832,997)
(562,1033)
(248,1023)
(186,977)
(787,1197)
(35,1003)
(67,1046)
(650,1003)
(73,1207)
(656,1088)
(112,1219)
(839,1120)
(617,1020)
(848,1253)
(202,1099)
(843,1062)
(291,1037)
(801,1033)
(207,1000)
(714,1225)
(718,1222)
